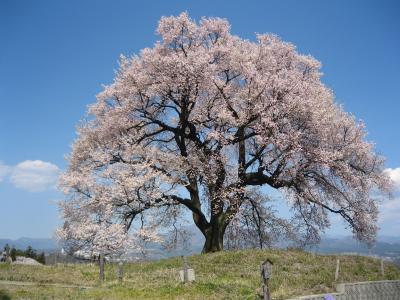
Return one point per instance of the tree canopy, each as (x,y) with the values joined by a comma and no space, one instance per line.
(201,122)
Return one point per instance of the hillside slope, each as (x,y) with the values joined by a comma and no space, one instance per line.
(225,275)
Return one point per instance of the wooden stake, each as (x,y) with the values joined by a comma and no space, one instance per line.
(337,270)
(185,270)
(120,271)
(266,272)
(101,266)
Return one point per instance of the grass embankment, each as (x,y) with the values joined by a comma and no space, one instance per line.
(225,275)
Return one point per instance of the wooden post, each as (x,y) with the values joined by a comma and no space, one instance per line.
(382,268)
(120,271)
(8,254)
(7,248)
(185,270)
(266,272)
(337,269)
(101,266)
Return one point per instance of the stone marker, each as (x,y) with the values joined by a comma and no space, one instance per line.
(187,274)
(190,275)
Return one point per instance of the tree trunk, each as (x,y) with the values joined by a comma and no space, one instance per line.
(214,238)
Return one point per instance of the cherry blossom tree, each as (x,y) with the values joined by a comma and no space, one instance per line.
(201,120)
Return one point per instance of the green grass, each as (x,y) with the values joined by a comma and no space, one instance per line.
(225,275)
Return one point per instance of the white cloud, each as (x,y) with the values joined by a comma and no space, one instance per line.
(394,174)
(34,175)
(4,170)
(390,210)
(389,216)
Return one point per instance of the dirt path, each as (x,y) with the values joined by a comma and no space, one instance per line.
(27,283)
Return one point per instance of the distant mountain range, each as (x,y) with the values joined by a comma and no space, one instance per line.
(386,246)
(347,244)
(41,244)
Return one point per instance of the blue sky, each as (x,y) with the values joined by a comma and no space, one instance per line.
(55,55)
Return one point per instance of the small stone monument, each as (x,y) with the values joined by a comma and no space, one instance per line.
(187,274)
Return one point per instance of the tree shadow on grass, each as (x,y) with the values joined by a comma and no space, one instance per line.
(4,295)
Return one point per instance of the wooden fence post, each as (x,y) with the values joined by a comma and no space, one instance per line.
(382,268)
(337,269)
(185,270)
(101,266)
(266,272)
(8,254)
(120,271)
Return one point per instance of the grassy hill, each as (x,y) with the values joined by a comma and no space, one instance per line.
(225,275)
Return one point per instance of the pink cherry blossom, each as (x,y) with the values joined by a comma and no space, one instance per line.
(203,118)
